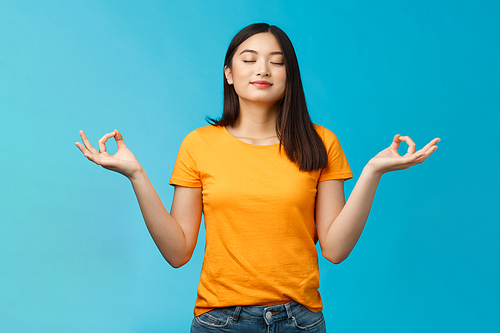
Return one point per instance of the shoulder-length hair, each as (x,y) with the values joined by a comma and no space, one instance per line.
(294,128)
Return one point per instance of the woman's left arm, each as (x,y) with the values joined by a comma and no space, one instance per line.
(340,225)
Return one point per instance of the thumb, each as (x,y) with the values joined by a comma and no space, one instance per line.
(395,142)
(119,140)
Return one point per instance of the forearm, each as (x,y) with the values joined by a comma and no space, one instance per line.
(345,230)
(340,227)
(165,231)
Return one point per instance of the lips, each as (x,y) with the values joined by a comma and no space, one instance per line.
(261,84)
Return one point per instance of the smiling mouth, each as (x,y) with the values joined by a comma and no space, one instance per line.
(261,84)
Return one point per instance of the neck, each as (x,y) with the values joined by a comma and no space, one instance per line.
(256,123)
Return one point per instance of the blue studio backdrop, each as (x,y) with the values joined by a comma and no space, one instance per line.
(75,255)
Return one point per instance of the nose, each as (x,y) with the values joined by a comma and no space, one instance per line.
(263,69)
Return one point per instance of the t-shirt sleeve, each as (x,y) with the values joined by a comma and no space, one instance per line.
(338,167)
(186,171)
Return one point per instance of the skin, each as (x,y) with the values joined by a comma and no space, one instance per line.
(339,224)
(259,58)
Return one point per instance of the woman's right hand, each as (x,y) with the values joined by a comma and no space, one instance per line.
(123,161)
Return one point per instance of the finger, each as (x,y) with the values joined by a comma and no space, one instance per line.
(395,142)
(423,156)
(82,148)
(429,145)
(88,154)
(119,140)
(420,157)
(86,142)
(91,157)
(411,144)
(102,141)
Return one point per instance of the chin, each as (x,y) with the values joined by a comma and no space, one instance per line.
(261,99)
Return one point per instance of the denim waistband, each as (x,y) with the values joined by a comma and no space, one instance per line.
(267,313)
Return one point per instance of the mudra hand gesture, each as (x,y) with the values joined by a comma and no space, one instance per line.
(390,160)
(123,161)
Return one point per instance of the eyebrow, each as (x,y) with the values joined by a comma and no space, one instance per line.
(255,52)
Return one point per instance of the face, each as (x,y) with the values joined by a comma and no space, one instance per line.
(258,71)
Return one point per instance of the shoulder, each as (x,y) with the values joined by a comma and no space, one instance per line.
(208,130)
(205,133)
(204,139)
(325,134)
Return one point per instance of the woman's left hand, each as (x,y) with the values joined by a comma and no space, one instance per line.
(390,160)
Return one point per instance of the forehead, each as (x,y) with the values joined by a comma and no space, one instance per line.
(261,43)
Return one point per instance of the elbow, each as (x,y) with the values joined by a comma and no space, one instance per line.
(176,265)
(335,258)
(177,262)
(337,261)
(175,257)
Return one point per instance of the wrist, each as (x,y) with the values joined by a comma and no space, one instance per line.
(371,171)
(137,175)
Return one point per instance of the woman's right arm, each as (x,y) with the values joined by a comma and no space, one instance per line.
(174,234)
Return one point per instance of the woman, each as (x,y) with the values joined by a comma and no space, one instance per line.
(270,185)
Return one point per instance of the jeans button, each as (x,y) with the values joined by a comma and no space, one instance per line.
(268,315)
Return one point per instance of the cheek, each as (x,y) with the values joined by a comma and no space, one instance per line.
(238,84)
(239,77)
(280,76)
(282,80)
(240,71)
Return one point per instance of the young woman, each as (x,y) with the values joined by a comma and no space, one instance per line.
(270,184)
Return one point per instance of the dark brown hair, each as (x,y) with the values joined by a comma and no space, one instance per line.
(294,128)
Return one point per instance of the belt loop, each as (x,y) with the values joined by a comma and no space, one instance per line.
(289,311)
(236,314)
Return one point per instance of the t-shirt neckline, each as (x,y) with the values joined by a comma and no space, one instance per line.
(248,144)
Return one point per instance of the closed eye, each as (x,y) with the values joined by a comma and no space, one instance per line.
(248,61)
(278,63)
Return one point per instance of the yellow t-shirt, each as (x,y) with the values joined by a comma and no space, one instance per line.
(259,218)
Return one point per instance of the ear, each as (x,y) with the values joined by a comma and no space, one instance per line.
(228,74)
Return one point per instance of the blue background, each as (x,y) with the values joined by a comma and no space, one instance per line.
(75,255)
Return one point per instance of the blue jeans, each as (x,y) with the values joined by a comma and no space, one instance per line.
(283,318)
